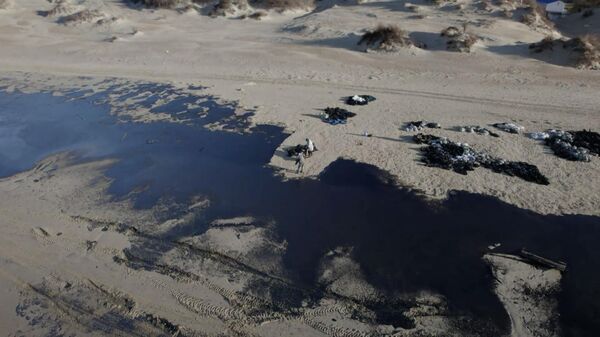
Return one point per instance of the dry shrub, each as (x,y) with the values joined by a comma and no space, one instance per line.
(462,42)
(84,16)
(588,48)
(459,39)
(159,3)
(224,7)
(536,17)
(585,49)
(258,15)
(411,7)
(546,44)
(385,38)
(450,32)
(61,8)
(486,5)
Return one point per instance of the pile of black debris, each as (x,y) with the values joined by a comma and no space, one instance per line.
(509,127)
(296,150)
(420,125)
(461,158)
(359,99)
(572,145)
(335,116)
(478,130)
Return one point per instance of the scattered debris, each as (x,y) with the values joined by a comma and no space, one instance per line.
(543,261)
(359,99)
(40,231)
(336,115)
(509,127)
(420,125)
(461,158)
(478,129)
(494,246)
(90,244)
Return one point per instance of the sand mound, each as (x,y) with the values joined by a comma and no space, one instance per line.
(84,16)
(580,52)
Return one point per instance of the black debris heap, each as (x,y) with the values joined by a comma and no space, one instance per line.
(574,145)
(335,116)
(359,99)
(461,158)
(587,139)
(296,150)
(420,125)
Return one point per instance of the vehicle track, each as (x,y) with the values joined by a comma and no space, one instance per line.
(417,93)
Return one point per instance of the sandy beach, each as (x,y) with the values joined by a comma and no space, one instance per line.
(92,248)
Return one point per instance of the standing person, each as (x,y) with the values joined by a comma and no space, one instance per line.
(300,163)
(310,147)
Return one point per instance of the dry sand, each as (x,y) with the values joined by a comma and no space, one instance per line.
(309,62)
(59,234)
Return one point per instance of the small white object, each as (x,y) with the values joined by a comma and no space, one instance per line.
(359,99)
(539,135)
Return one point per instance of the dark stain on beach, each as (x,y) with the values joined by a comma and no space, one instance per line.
(402,243)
